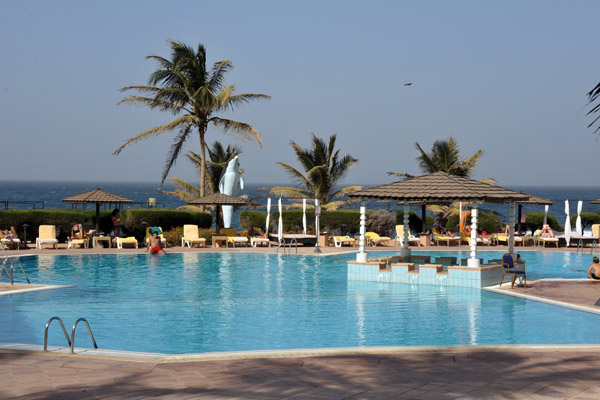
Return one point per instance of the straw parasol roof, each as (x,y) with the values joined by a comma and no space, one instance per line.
(534,200)
(97,196)
(442,187)
(217,199)
(595,201)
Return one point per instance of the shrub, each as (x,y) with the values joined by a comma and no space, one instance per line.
(131,220)
(535,220)
(587,219)
(414,222)
(380,222)
(346,221)
(485,222)
(174,236)
(206,234)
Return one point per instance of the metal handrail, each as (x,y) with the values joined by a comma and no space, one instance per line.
(290,245)
(64,331)
(73,334)
(11,273)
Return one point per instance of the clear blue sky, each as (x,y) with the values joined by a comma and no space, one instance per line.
(507,77)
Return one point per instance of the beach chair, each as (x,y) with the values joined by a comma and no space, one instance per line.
(339,241)
(46,236)
(543,240)
(129,241)
(191,237)
(400,237)
(78,237)
(234,238)
(163,241)
(479,241)
(514,269)
(13,243)
(438,238)
(374,239)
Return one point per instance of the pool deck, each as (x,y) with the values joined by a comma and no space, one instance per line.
(509,372)
(443,372)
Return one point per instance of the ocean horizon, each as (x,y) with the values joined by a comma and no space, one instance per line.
(51,194)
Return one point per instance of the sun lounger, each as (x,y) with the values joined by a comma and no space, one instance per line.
(437,239)
(77,237)
(191,237)
(340,241)
(256,241)
(13,243)
(234,238)
(46,236)
(501,238)
(374,239)
(163,241)
(129,241)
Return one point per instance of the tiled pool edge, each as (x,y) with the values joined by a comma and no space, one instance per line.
(288,353)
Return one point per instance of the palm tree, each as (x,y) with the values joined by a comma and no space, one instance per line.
(322,169)
(219,157)
(592,97)
(445,156)
(184,87)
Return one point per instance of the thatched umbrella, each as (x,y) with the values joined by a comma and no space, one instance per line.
(533,200)
(98,197)
(217,199)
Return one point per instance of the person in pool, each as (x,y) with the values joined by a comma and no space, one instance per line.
(594,269)
(154,243)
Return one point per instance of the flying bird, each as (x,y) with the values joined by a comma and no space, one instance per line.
(408,84)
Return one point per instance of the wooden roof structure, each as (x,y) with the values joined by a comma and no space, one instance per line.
(442,187)
(217,199)
(97,196)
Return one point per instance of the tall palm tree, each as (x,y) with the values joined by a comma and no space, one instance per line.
(592,97)
(322,169)
(185,87)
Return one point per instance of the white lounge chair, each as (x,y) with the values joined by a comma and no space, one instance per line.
(14,243)
(339,241)
(400,237)
(191,237)
(46,236)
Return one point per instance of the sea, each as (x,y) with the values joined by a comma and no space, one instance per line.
(49,195)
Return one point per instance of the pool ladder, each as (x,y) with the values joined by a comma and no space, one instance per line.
(289,246)
(12,260)
(70,341)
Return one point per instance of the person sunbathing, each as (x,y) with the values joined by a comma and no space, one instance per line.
(547,232)
(9,234)
(76,232)
(594,269)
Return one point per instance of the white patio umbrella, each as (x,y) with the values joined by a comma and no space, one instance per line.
(304,216)
(268,216)
(567,223)
(545,215)
(280,224)
(578,226)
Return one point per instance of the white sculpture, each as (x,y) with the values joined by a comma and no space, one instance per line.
(230,184)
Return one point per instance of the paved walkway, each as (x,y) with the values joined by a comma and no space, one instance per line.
(462,374)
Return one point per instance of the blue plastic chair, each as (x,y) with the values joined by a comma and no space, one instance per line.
(509,267)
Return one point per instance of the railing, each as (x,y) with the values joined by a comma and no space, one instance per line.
(282,243)
(32,203)
(12,260)
(70,341)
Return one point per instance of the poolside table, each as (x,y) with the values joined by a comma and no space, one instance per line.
(97,239)
(219,241)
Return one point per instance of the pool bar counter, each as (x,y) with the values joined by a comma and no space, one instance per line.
(425,274)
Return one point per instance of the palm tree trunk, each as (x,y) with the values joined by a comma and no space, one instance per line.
(202,162)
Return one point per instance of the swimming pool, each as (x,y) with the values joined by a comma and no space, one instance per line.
(199,302)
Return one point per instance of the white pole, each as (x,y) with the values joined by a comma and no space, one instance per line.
(474,261)
(317,230)
(361,256)
(511,227)
(405,252)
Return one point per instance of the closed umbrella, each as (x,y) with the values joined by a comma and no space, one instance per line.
(578,226)
(280,224)
(304,216)
(268,216)
(567,223)
(546,215)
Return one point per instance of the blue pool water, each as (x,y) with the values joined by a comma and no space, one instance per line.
(193,303)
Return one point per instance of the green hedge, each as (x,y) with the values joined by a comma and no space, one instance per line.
(485,222)
(131,220)
(535,220)
(344,221)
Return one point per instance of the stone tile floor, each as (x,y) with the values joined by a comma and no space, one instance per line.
(477,374)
